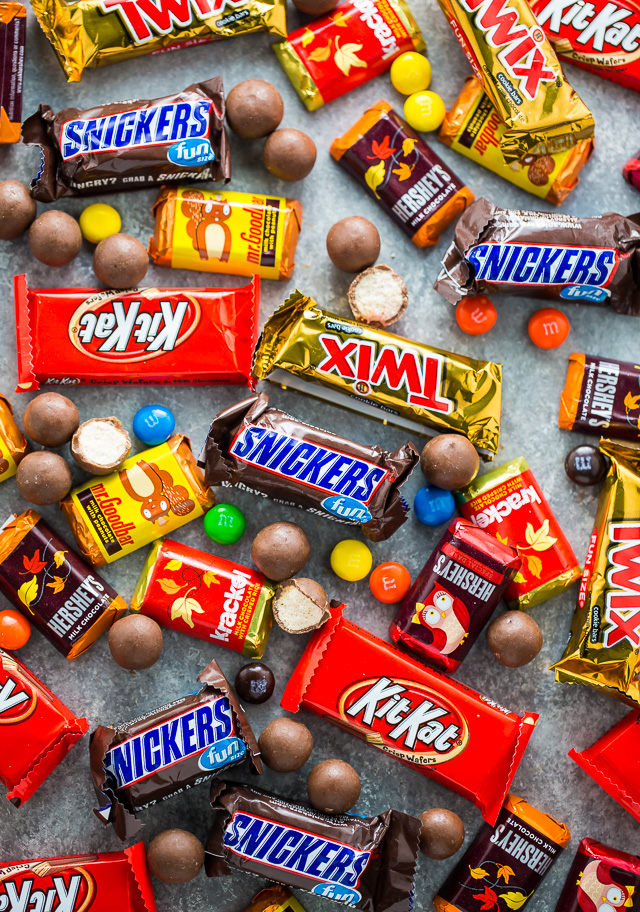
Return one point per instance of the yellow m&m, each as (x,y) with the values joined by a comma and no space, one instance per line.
(99,221)
(351,560)
(424,111)
(410,72)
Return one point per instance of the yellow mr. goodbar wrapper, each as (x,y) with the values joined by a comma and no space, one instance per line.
(604,644)
(363,365)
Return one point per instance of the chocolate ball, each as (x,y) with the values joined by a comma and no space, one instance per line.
(135,642)
(289,154)
(100,445)
(514,638)
(585,465)
(442,833)
(55,238)
(353,244)
(17,209)
(175,856)
(120,261)
(255,682)
(43,477)
(300,605)
(51,419)
(315,7)
(280,550)
(449,461)
(254,108)
(285,745)
(333,787)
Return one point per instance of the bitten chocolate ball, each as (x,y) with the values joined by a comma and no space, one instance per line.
(285,745)
(100,445)
(254,108)
(175,856)
(135,642)
(300,605)
(449,461)
(353,244)
(17,209)
(255,682)
(289,154)
(55,238)
(333,787)
(280,550)
(43,477)
(51,419)
(442,833)
(315,7)
(514,638)
(120,261)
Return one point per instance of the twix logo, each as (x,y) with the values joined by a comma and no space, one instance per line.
(17,702)
(145,19)
(622,596)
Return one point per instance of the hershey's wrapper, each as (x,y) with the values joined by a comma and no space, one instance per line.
(13,29)
(600,877)
(601,395)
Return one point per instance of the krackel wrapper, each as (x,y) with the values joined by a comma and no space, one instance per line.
(169,750)
(544,255)
(367,863)
(13,443)
(520,73)
(207,597)
(604,643)
(474,128)
(91,33)
(131,144)
(153,493)
(267,451)
(13,31)
(36,732)
(600,878)
(335,53)
(601,395)
(430,722)
(366,367)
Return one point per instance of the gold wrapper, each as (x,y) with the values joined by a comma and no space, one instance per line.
(13,443)
(91,33)
(522,76)
(435,388)
(604,644)
(300,77)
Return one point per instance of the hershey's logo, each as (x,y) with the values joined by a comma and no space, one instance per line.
(496,512)
(521,849)
(463,578)
(89,593)
(601,394)
(233,599)
(118,325)
(612,26)
(622,595)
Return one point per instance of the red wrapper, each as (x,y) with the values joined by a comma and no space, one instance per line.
(600,878)
(185,336)
(429,722)
(36,732)
(631,171)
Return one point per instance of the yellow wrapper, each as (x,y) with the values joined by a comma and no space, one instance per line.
(13,443)
(604,645)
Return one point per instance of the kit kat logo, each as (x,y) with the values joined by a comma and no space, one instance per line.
(133,325)
(622,595)
(17,702)
(34,886)
(592,31)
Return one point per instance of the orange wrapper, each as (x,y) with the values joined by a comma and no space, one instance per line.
(13,443)
(13,23)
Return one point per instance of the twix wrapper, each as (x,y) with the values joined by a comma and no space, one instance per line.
(13,443)
(604,644)
(508,502)
(344,49)
(601,395)
(13,29)
(521,75)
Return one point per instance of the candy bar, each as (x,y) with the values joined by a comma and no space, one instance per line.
(275,898)
(368,863)
(631,171)
(13,27)
(13,443)
(169,750)
(600,878)
(265,450)
(600,395)
(428,721)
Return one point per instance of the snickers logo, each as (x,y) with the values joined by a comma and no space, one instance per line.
(542,264)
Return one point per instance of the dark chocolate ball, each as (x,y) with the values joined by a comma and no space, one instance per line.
(17,209)
(175,856)
(449,461)
(585,465)
(514,638)
(43,477)
(255,682)
(51,419)
(442,833)
(333,787)
(289,154)
(280,550)
(120,261)
(135,642)
(254,108)
(353,244)
(285,745)
(315,7)
(55,238)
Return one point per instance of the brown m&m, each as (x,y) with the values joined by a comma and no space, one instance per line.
(333,787)
(55,238)
(51,419)
(285,745)
(449,461)
(353,244)
(585,465)
(120,261)
(135,642)
(175,856)
(442,833)
(289,154)
(514,638)
(254,108)
(17,209)
(300,605)
(280,550)
(43,478)
(254,683)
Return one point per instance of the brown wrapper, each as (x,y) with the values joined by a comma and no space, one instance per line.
(601,395)
(13,443)
(13,27)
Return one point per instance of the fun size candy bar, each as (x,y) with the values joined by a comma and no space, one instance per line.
(631,170)
(13,443)
(601,395)
(600,878)
(13,30)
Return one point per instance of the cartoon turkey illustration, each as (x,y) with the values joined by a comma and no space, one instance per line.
(446,617)
(598,891)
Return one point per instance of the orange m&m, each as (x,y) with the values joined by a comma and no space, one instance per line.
(548,328)
(476,315)
(15,629)
(390,582)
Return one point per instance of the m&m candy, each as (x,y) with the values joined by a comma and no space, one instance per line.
(351,560)
(153,424)
(389,582)
(225,524)
(15,629)
(476,315)
(433,506)
(410,72)
(424,111)
(99,221)
(548,328)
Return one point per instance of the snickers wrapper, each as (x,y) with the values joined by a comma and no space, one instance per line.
(601,396)
(544,255)
(600,876)
(13,29)
(264,450)
(367,863)
(163,752)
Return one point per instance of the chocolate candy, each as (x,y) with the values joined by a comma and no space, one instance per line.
(100,445)
(476,315)
(120,261)
(585,465)
(135,642)
(280,550)
(153,424)
(514,638)
(410,72)
(353,243)
(225,524)
(631,171)
(548,328)
(15,630)
(424,111)
(389,582)
(333,787)
(55,238)
(17,209)
(43,478)
(442,833)
(13,28)
(99,221)
(175,856)
(285,745)
(254,108)
(254,683)
(351,560)
(449,462)
(433,506)
(300,605)
(378,295)
(13,443)
(600,878)
(600,396)
(51,419)
(289,154)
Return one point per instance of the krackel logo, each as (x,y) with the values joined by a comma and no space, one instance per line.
(607,31)
(622,593)
(144,19)
(542,264)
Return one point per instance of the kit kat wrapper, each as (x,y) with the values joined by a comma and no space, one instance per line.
(13,443)
(595,870)
(13,27)
(601,396)
(346,675)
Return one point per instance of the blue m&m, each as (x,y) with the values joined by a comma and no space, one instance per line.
(433,506)
(153,424)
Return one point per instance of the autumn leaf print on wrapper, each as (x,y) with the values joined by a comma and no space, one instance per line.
(43,575)
(346,57)
(185,605)
(535,540)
